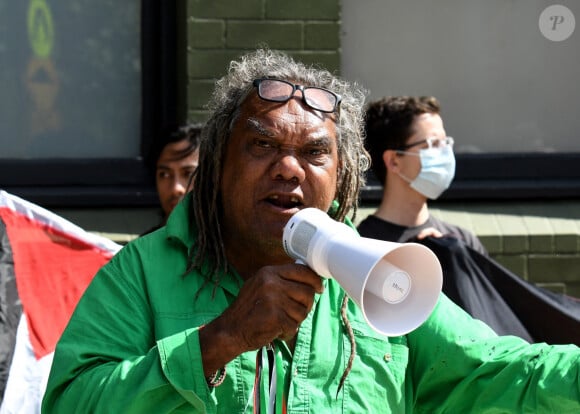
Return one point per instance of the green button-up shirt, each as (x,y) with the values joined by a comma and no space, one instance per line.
(132,346)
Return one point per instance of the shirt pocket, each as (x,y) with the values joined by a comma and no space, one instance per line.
(170,323)
(378,373)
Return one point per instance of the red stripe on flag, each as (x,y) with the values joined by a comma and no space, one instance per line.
(53,268)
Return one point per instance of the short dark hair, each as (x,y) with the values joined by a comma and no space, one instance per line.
(190,132)
(388,125)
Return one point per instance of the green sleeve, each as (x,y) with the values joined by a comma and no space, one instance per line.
(108,361)
(458,364)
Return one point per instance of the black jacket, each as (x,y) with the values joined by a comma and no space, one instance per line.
(503,300)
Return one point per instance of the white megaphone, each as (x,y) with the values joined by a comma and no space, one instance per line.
(395,285)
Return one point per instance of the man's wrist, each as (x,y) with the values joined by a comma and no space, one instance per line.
(217,378)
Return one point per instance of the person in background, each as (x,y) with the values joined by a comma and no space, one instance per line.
(210,315)
(413,159)
(175,163)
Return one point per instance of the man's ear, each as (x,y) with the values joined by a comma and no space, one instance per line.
(391,160)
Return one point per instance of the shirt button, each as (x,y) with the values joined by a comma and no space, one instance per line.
(388,357)
(295,372)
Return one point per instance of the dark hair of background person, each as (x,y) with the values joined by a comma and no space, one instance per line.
(388,125)
(190,132)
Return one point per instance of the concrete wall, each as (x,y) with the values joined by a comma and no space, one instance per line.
(504,86)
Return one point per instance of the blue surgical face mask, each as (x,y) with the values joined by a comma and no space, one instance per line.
(437,171)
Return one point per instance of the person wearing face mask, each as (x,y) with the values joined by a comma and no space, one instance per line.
(412,157)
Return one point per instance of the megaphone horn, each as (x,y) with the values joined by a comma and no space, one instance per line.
(396,285)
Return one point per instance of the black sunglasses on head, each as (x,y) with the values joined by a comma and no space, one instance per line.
(277,90)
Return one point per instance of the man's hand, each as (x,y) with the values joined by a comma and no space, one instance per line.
(271,304)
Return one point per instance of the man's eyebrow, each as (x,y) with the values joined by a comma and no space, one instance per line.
(324,140)
(259,128)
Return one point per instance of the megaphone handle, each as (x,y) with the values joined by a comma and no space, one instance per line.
(300,262)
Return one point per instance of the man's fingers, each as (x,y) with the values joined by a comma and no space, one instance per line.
(302,274)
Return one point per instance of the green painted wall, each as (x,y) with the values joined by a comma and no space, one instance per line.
(219,31)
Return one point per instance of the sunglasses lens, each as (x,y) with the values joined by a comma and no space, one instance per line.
(275,90)
(320,99)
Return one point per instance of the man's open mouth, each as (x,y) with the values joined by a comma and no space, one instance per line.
(284,201)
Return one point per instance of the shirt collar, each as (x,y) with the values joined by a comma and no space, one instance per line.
(179,224)
(180,227)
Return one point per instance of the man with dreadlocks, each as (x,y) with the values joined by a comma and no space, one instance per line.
(209,315)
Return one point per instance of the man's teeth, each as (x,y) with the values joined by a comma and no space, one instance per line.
(293,199)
